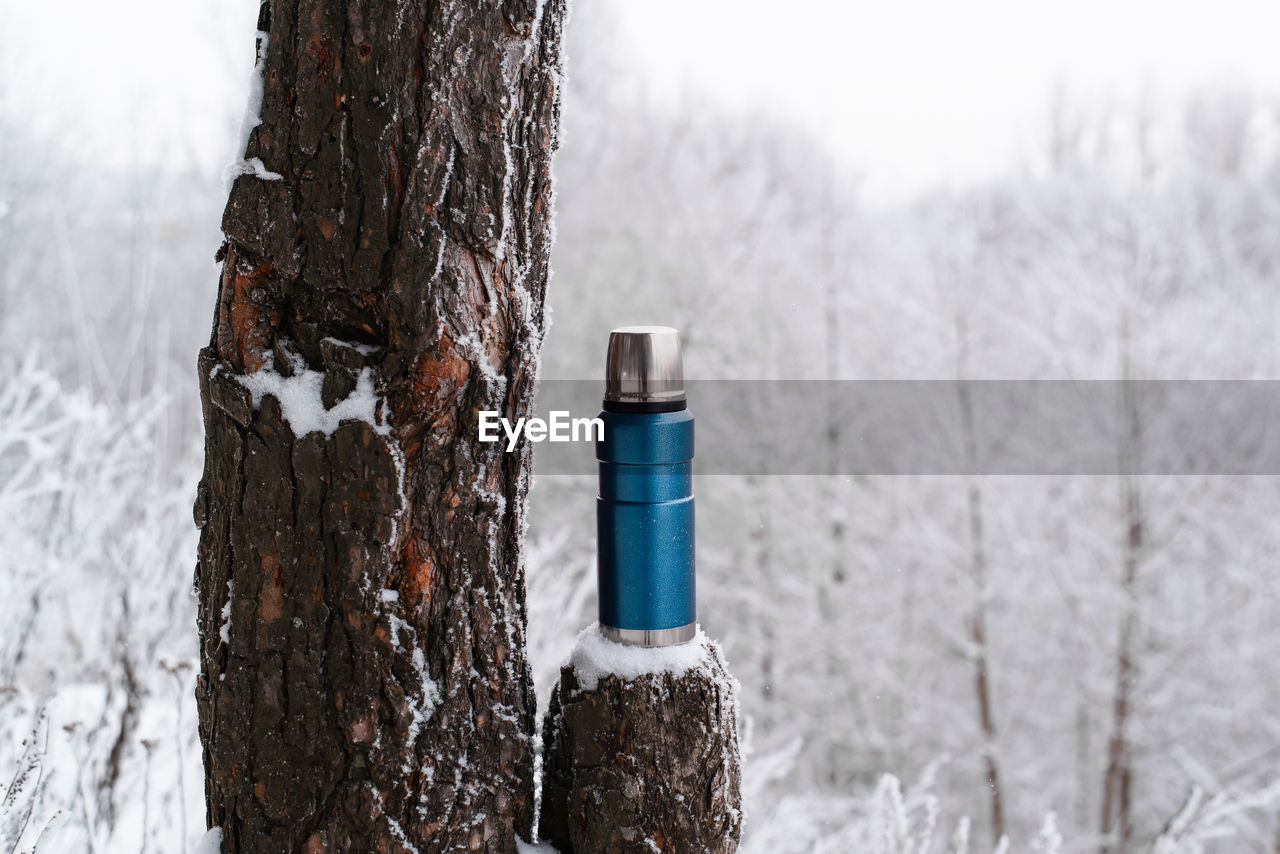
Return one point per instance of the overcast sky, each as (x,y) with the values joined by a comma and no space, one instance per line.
(910,93)
(916,92)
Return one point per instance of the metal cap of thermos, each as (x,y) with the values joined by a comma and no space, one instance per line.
(644,510)
(643,365)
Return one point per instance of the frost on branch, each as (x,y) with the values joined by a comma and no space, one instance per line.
(1203,820)
(641,751)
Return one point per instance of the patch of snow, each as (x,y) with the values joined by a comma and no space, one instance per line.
(396,830)
(397,457)
(424,706)
(494,568)
(253,166)
(448,177)
(252,118)
(430,692)
(535,30)
(301,404)
(1049,840)
(444,191)
(362,349)
(508,174)
(960,838)
(595,656)
(474,347)
(225,632)
(398,625)
(211,842)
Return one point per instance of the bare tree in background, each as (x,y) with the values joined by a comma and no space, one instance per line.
(364,683)
(1117,782)
(1116,826)
(963,271)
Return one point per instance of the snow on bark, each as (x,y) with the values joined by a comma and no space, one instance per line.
(252,118)
(211,842)
(302,405)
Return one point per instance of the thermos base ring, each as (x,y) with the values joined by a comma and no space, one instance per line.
(651,637)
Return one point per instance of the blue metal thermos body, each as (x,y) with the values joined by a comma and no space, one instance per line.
(644,511)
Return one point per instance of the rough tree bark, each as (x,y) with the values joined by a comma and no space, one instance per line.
(643,764)
(363,680)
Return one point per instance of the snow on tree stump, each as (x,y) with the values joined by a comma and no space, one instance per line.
(640,751)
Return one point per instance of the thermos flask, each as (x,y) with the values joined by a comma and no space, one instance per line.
(644,512)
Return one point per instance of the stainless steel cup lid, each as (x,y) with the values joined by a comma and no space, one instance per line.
(643,365)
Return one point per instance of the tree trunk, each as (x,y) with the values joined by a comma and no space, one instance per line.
(642,762)
(1116,827)
(364,685)
(1117,783)
(978,577)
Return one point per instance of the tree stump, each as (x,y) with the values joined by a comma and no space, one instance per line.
(640,751)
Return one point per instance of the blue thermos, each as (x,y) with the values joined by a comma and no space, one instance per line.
(644,512)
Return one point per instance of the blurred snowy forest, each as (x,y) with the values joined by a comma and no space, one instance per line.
(1026,654)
